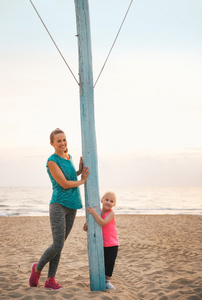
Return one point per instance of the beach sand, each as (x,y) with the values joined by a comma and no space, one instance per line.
(159,258)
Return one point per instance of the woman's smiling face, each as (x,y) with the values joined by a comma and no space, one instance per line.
(60,142)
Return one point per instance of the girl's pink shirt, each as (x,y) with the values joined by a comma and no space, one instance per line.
(109,232)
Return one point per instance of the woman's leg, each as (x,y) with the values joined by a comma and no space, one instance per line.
(57,220)
(68,223)
(70,217)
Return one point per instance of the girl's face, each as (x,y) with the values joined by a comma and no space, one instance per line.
(59,142)
(108,202)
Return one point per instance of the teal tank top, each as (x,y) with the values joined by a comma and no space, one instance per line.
(70,198)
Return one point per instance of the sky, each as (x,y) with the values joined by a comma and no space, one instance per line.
(148,100)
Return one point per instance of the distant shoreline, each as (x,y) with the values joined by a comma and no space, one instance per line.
(34,201)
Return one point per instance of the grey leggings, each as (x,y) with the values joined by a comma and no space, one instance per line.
(61,219)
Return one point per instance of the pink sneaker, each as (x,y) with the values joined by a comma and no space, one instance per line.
(51,284)
(34,277)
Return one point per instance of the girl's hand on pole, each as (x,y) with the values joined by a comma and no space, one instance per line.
(84,174)
(85,227)
(91,210)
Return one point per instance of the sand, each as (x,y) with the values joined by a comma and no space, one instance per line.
(159,258)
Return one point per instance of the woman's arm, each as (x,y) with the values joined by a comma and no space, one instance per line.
(80,167)
(60,178)
(100,221)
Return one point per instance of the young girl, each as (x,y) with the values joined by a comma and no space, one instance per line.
(64,203)
(110,237)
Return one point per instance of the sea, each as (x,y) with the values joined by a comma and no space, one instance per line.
(34,201)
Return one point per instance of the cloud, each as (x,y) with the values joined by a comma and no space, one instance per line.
(156,169)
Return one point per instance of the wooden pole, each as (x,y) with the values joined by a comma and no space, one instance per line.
(89,147)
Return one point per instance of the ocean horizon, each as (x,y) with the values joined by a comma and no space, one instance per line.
(34,201)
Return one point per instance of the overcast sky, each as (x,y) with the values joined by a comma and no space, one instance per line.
(148,100)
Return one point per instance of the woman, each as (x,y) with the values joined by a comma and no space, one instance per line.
(64,203)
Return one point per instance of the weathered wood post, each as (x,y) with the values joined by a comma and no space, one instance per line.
(89,147)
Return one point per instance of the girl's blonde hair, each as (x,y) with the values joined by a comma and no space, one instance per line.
(111,194)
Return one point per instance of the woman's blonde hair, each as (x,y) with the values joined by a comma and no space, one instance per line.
(111,194)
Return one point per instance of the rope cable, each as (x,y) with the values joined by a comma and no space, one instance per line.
(113,43)
(63,56)
(53,41)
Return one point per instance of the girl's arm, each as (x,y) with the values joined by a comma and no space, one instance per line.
(101,221)
(60,178)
